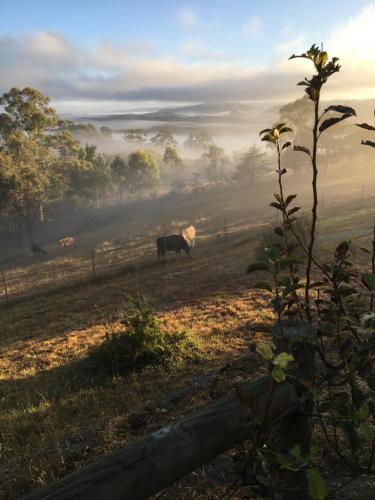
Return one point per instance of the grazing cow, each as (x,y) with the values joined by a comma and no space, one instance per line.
(36,250)
(68,242)
(189,235)
(172,243)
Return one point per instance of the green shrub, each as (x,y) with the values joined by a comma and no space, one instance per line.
(142,343)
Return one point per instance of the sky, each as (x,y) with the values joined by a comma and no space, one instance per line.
(94,56)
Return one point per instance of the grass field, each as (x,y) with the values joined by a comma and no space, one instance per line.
(55,416)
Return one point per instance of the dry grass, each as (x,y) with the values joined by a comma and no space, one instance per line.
(45,339)
(54,415)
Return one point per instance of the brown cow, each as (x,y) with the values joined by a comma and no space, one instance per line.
(67,242)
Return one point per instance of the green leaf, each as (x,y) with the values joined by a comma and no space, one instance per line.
(332,121)
(342,109)
(346,291)
(293,210)
(265,350)
(286,145)
(269,138)
(317,486)
(302,149)
(282,360)
(272,253)
(296,451)
(283,130)
(278,374)
(368,143)
(276,205)
(264,285)
(266,131)
(366,432)
(364,411)
(368,279)
(290,198)
(289,260)
(257,266)
(366,126)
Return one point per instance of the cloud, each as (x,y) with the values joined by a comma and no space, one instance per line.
(187,17)
(112,72)
(198,50)
(252,28)
(356,38)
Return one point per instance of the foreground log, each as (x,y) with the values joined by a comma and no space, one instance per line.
(163,457)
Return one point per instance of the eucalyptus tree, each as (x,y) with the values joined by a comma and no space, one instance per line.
(136,135)
(171,158)
(198,140)
(251,163)
(119,171)
(35,151)
(216,162)
(142,171)
(25,153)
(163,138)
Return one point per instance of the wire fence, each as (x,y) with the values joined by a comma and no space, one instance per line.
(68,268)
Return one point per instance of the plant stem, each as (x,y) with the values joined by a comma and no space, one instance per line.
(314,208)
(373,269)
(285,219)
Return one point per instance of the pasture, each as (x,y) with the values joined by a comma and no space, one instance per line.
(54,415)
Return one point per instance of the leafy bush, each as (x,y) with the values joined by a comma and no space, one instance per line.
(325,325)
(142,343)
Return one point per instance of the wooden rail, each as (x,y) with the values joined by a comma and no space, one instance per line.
(161,458)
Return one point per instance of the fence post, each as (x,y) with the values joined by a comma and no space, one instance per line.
(165,247)
(5,285)
(93,263)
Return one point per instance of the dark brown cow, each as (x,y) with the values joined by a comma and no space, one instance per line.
(37,250)
(172,243)
(67,242)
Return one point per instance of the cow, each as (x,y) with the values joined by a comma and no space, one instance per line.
(189,235)
(67,242)
(172,243)
(36,250)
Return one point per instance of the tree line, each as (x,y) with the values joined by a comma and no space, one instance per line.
(43,161)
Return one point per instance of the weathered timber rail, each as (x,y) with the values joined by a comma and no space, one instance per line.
(161,458)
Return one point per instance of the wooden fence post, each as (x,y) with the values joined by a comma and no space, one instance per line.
(5,285)
(165,247)
(296,429)
(93,263)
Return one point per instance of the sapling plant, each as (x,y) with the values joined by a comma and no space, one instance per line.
(323,308)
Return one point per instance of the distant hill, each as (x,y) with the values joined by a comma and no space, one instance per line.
(221,113)
(198,113)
